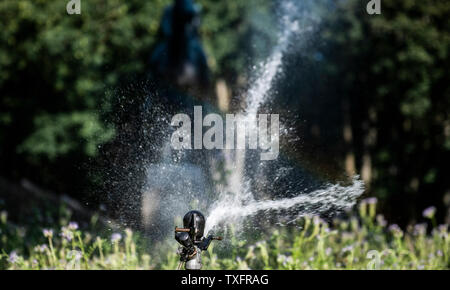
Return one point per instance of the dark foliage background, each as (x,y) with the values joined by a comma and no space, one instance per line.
(371,93)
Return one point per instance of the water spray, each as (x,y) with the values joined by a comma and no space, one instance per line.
(192,241)
(183,177)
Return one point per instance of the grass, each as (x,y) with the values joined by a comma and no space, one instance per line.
(363,241)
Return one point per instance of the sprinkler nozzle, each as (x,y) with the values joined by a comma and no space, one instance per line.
(191,239)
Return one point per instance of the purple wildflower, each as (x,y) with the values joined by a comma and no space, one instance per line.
(34,263)
(429,212)
(48,233)
(420,229)
(116,237)
(395,229)
(75,255)
(381,221)
(443,231)
(73,226)
(66,234)
(13,257)
(40,248)
(371,200)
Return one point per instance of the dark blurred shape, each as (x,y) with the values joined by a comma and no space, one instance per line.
(29,204)
(178,56)
(140,154)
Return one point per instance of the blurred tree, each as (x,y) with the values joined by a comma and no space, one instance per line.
(387,75)
(391,71)
(373,96)
(55,69)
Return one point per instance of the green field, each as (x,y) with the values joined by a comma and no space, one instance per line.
(364,240)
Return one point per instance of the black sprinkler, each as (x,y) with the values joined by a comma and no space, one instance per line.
(192,241)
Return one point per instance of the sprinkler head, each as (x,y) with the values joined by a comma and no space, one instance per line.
(191,239)
(195,222)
